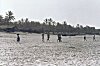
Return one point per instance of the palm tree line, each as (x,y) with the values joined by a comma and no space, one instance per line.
(48,25)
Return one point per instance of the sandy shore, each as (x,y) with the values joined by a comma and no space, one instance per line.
(31,51)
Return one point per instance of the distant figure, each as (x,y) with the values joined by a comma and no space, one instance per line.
(85,38)
(59,38)
(43,37)
(94,38)
(18,38)
(48,37)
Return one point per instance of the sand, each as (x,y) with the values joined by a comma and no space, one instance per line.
(31,51)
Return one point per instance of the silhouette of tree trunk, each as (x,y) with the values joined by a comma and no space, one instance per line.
(1,18)
(53,27)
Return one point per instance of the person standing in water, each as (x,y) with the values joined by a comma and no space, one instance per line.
(43,37)
(18,38)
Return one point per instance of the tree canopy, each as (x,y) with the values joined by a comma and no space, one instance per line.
(49,25)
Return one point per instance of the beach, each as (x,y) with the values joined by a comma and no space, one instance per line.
(31,51)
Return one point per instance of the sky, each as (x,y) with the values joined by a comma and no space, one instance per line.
(83,12)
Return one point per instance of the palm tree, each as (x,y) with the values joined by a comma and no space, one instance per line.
(46,21)
(9,16)
(26,20)
(43,27)
(53,22)
(64,26)
(1,18)
(46,24)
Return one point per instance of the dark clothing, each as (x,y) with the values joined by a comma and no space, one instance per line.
(48,37)
(85,38)
(59,37)
(43,37)
(18,38)
(94,38)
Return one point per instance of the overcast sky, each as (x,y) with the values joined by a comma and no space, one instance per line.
(85,12)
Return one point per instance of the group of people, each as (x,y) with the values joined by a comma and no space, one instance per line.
(85,39)
(58,35)
(48,37)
